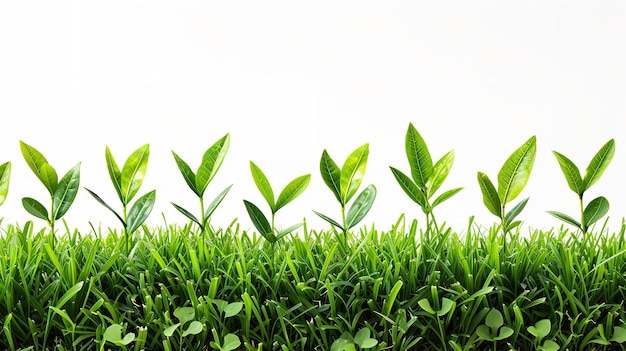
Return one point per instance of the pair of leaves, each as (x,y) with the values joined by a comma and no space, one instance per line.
(198,182)
(619,336)
(345,182)
(346,341)
(446,306)
(127,183)
(113,334)
(231,342)
(184,315)
(494,328)
(5,175)
(293,189)
(426,177)
(512,179)
(599,206)
(63,192)
(540,330)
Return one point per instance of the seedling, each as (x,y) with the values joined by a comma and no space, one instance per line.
(62,193)
(186,326)
(437,310)
(347,342)
(512,178)
(599,206)
(617,337)
(426,177)
(5,175)
(114,335)
(344,183)
(231,342)
(288,194)
(494,329)
(198,182)
(540,330)
(127,183)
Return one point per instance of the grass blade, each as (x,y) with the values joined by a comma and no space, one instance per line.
(515,172)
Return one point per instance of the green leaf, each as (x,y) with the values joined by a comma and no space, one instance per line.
(140,211)
(410,188)
(114,174)
(232,309)
(113,334)
(550,345)
(505,332)
(425,305)
(35,208)
(231,342)
(566,218)
(494,320)
(288,230)
(133,172)
(292,191)
(258,218)
(571,172)
(361,206)
(36,162)
(515,211)
(187,173)
(103,203)
(419,157)
(331,174)
(169,331)
(446,306)
(352,172)
(186,214)
(211,162)
(362,338)
(185,314)
(49,178)
(619,335)
(445,196)
(329,220)
(490,195)
(484,333)
(263,184)
(216,202)
(69,294)
(541,329)
(440,173)
(194,328)
(66,192)
(515,172)
(5,176)
(599,163)
(595,210)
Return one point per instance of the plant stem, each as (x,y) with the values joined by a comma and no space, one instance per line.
(52,220)
(125,228)
(582,215)
(343,221)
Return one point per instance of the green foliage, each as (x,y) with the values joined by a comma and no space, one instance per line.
(5,175)
(512,179)
(291,191)
(426,177)
(361,339)
(198,182)
(62,193)
(344,182)
(598,207)
(127,183)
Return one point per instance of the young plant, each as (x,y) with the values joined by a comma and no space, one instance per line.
(438,310)
(599,206)
(344,183)
(426,177)
(115,336)
(540,330)
(127,183)
(186,326)
(494,329)
(62,193)
(198,182)
(512,178)
(288,194)
(5,175)
(348,343)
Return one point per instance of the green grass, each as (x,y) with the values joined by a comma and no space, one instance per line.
(407,288)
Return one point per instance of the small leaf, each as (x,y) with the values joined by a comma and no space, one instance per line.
(329,220)
(35,208)
(571,172)
(99,199)
(49,178)
(484,333)
(169,331)
(494,320)
(140,211)
(263,184)
(231,342)
(425,305)
(541,329)
(550,345)
(186,172)
(515,211)
(566,218)
(595,210)
(599,163)
(515,172)
(292,191)
(232,309)
(36,161)
(69,294)
(490,195)
(194,328)
(446,306)
(352,172)
(505,332)
(331,174)
(419,157)
(619,335)
(185,314)
(410,188)
(5,176)
(133,172)
(445,196)
(211,162)
(288,230)
(216,202)
(113,334)
(258,218)
(187,214)
(361,206)
(362,338)
(66,192)
(114,173)
(440,173)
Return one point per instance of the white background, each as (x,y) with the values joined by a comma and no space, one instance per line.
(289,79)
